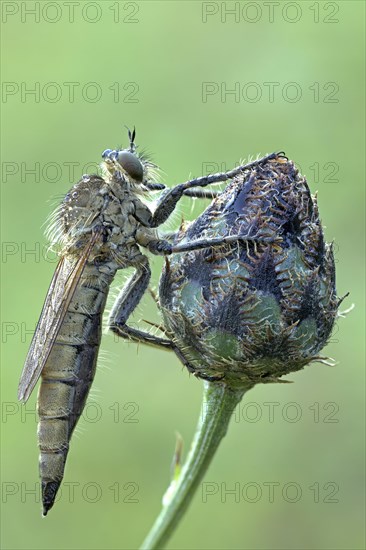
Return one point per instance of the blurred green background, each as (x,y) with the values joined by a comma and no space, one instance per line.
(297,69)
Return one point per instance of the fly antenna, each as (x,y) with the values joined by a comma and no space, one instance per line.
(131,137)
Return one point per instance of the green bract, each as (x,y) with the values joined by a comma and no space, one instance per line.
(265,306)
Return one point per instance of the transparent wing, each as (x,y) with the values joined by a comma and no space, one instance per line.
(59,295)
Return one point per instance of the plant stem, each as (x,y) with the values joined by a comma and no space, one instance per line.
(219,402)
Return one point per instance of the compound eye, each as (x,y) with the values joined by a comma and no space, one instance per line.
(131,164)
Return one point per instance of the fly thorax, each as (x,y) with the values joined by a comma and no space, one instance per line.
(81,205)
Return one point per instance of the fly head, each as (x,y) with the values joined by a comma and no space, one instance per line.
(128,166)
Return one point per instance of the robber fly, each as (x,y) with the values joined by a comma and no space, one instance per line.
(101,226)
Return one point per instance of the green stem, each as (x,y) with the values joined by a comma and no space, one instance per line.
(219,402)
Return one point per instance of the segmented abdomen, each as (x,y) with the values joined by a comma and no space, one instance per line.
(68,375)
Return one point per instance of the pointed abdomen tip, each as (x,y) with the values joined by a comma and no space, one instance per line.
(49,491)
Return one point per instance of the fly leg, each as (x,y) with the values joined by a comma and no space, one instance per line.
(195,193)
(165,248)
(218,241)
(201,193)
(126,303)
(170,199)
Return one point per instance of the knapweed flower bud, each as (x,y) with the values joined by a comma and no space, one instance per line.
(265,305)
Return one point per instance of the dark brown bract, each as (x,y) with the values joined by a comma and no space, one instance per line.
(265,306)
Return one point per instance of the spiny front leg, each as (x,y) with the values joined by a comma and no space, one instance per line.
(170,199)
(127,302)
(165,248)
(201,193)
